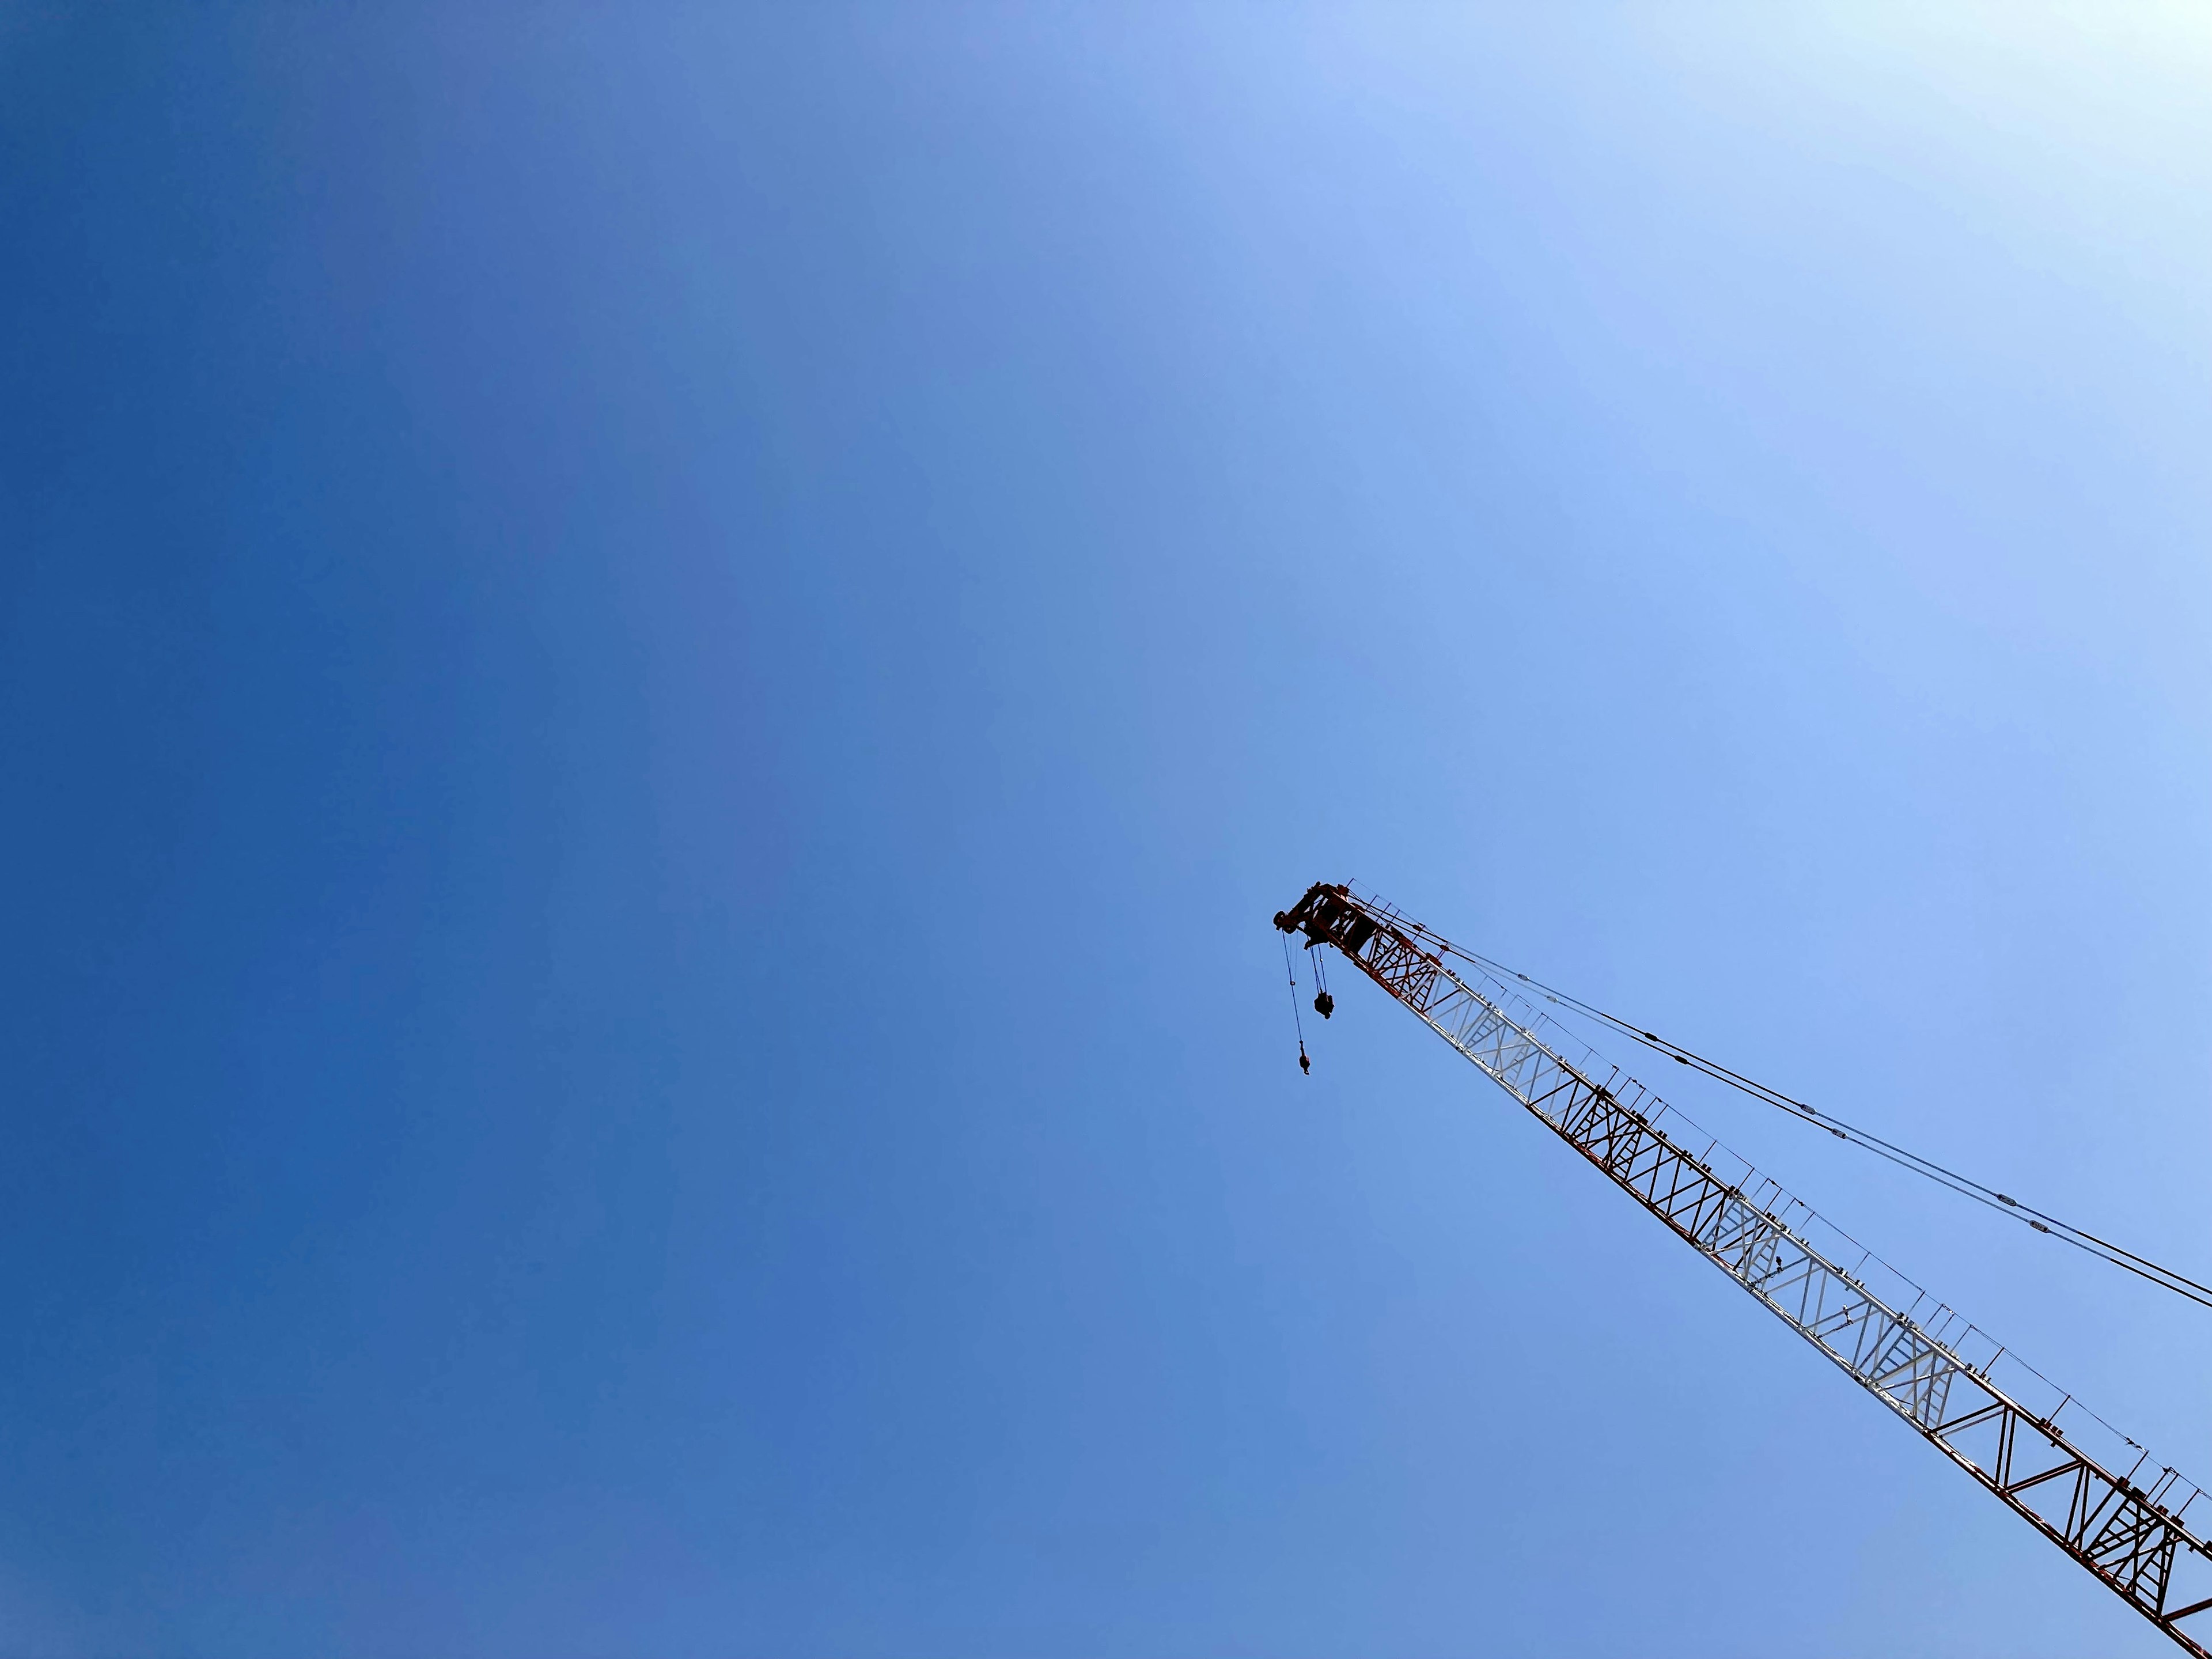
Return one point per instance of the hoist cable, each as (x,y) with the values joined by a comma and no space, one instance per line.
(2042,1221)
(1297,1025)
(1966,1186)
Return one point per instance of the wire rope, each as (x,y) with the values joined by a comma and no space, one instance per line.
(1966,1186)
(1297,1023)
(2042,1221)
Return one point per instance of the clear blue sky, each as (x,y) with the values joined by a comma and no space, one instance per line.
(658,669)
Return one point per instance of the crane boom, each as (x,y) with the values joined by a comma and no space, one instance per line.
(2052,1462)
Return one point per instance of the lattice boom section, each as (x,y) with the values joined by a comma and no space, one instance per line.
(2111,1527)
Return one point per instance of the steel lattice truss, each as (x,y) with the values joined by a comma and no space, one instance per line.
(2053,1463)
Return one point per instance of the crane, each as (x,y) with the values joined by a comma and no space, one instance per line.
(2090,1490)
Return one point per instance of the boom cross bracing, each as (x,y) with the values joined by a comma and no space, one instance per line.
(2087,1488)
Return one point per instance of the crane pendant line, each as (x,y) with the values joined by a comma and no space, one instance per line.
(2054,1463)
